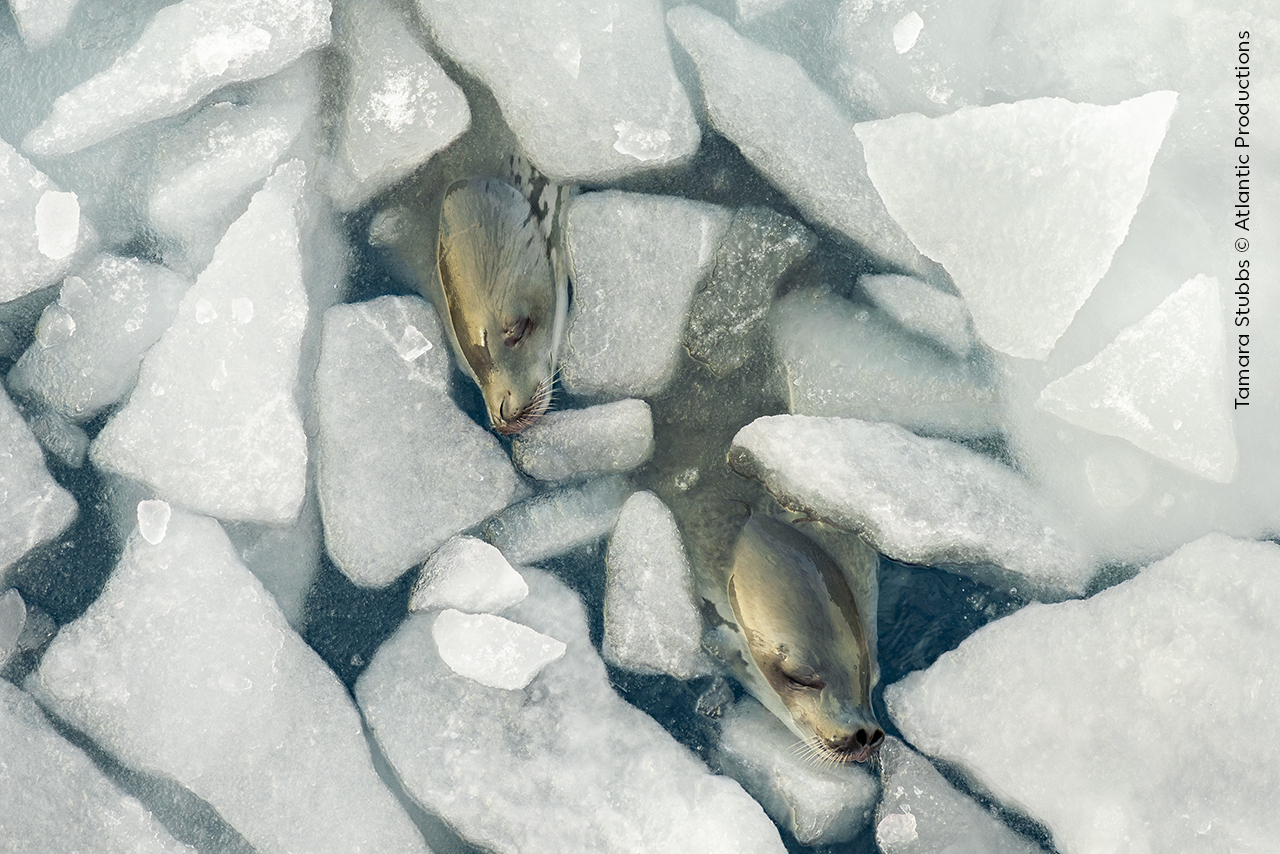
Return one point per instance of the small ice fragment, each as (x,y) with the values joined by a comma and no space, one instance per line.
(13,616)
(898,828)
(493,650)
(469,575)
(642,143)
(153,520)
(57,224)
(906,31)
(569,54)
(56,326)
(205,312)
(242,309)
(412,343)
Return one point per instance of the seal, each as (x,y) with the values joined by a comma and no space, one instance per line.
(501,297)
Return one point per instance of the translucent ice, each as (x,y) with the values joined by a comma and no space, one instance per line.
(1024,203)
(401,469)
(589,90)
(612,437)
(492,650)
(285,559)
(819,804)
(922,501)
(186,668)
(400,109)
(469,575)
(1081,713)
(555,522)
(734,299)
(34,508)
(58,436)
(189,50)
(13,617)
(564,765)
(213,424)
(637,259)
(921,813)
(924,310)
(793,132)
(1163,384)
(90,343)
(54,798)
(651,623)
(42,227)
(844,359)
(41,21)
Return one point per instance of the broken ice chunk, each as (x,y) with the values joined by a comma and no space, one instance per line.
(793,132)
(33,508)
(42,227)
(401,469)
(920,812)
(758,248)
(1163,384)
(54,798)
(401,108)
(41,21)
(153,520)
(906,31)
(66,441)
(13,617)
(922,501)
(636,260)
(843,359)
(922,309)
(185,667)
(189,50)
(285,559)
(818,804)
(468,575)
(90,342)
(213,423)
(553,523)
(612,437)
(651,623)
(565,765)
(589,90)
(1081,713)
(491,650)
(1024,204)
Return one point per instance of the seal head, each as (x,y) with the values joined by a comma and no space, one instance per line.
(503,307)
(809,659)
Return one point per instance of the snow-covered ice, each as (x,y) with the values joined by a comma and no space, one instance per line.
(589,90)
(818,804)
(758,248)
(1141,719)
(651,621)
(1163,384)
(400,107)
(924,310)
(842,359)
(34,509)
(41,21)
(189,50)
(795,134)
(185,667)
(401,469)
(917,500)
(213,424)
(566,443)
(921,813)
(44,232)
(1024,204)
(90,342)
(564,765)
(555,522)
(53,798)
(492,650)
(468,575)
(637,260)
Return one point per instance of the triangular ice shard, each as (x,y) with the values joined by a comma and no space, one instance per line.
(1162,384)
(1024,204)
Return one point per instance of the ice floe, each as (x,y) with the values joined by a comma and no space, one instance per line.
(563,765)
(186,668)
(213,424)
(1123,719)
(985,191)
(401,469)
(917,500)
(468,575)
(41,21)
(611,437)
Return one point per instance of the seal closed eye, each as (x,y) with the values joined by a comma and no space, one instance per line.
(504,300)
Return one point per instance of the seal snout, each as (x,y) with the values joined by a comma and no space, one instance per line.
(857,745)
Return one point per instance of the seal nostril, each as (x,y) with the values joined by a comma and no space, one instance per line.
(877,737)
(861,737)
